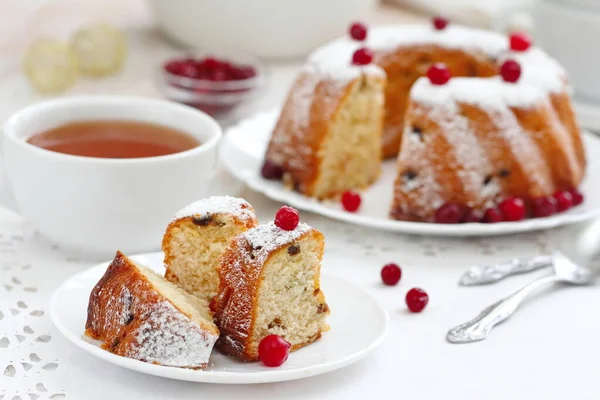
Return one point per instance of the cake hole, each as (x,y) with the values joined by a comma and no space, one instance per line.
(130,319)
(115,343)
(487,179)
(50,367)
(258,248)
(503,173)
(10,371)
(203,221)
(293,250)
(409,175)
(276,323)
(417,130)
(34,357)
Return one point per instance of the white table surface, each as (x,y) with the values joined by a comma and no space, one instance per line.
(549,350)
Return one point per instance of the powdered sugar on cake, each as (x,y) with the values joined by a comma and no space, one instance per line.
(169,338)
(237,207)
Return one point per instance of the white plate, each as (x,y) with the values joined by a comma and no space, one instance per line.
(358,326)
(242,152)
(588,113)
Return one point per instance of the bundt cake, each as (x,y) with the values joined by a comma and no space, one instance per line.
(269,284)
(136,313)
(455,142)
(472,142)
(197,238)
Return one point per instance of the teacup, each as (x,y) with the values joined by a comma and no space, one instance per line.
(98,205)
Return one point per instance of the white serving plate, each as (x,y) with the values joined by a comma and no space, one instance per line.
(358,326)
(242,152)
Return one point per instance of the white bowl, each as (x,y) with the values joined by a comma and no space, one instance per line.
(264,28)
(98,205)
(569,34)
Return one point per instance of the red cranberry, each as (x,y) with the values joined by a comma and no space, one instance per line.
(564,200)
(273,350)
(211,63)
(287,218)
(472,216)
(449,213)
(351,201)
(520,42)
(270,170)
(440,23)
(189,70)
(218,76)
(358,31)
(576,196)
(362,56)
(512,209)
(174,67)
(416,300)
(439,74)
(245,72)
(510,71)
(492,215)
(391,274)
(543,207)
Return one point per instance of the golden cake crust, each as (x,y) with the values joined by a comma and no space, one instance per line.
(134,320)
(240,280)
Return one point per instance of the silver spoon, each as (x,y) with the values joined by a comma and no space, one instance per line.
(577,269)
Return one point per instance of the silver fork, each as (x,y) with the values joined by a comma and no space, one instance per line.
(576,270)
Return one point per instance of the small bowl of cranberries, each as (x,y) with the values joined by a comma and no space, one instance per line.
(213,83)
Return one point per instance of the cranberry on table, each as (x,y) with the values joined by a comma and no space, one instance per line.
(391,274)
(358,31)
(270,170)
(440,23)
(510,70)
(492,215)
(512,209)
(472,216)
(543,207)
(576,196)
(416,300)
(362,56)
(273,350)
(449,213)
(519,41)
(287,218)
(564,200)
(351,201)
(439,74)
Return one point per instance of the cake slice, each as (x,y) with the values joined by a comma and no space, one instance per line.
(270,284)
(197,238)
(137,314)
(328,137)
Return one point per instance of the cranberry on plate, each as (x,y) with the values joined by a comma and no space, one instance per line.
(273,350)
(351,201)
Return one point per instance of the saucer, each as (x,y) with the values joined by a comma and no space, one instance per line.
(358,327)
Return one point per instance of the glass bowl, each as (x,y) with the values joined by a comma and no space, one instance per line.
(216,83)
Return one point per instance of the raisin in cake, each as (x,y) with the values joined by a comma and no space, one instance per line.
(197,238)
(136,313)
(270,284)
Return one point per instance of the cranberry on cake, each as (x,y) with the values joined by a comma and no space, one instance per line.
(137,314)
(270,285)
(197,238)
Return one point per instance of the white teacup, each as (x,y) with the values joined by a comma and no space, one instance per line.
(98,205)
